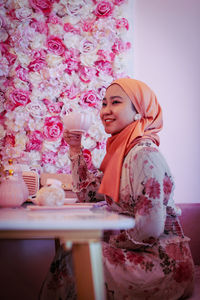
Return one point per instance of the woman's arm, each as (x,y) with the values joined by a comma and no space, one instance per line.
(149,176)
(85,182)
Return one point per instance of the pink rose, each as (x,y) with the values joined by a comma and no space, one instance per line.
(103,9)
(55,45)
(167,185)
(11,58)
(74,9)
(10,140)
(53,19)
(39,26)
(152,188)
(65,170)
(19,97)
(53,128)
(114,255)
(42,5)
(167,188)
(119,2)
(71,65)
(106,55)
(35,141)
(49,157)
(143,205)
(37,65)
(122,23)
(70,28)
(87,25)
(72,53)
(119,46)
(87,46)
(89,98)
(135,257)
(21,73)
(39,54)
(86,74)
(53,107)
(71,92)
(87,157)
(104,66)
(64,147)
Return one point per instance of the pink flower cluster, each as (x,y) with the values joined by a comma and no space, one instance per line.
(56,58)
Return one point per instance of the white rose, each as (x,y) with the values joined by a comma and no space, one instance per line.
(51,146)
(71,40)
(53,60)
(3,35)
(36,109)
(20,140)
(88,60)
(38,41)
(88,142)
(49,168)
(97,157)
(35,78)
(32,125)
(97,131)
(2,132)
(35,157)
(4,68)
(63,160)
(55,29)
(24,59)
(19,84)
(23,13)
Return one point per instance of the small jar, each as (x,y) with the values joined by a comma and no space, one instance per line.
(11,191)
(52,194)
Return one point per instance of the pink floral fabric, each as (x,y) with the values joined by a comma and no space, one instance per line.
(153,259)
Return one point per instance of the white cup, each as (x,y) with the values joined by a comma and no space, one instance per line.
(77,121)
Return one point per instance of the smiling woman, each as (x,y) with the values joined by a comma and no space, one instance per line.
(117,110)
(152,260)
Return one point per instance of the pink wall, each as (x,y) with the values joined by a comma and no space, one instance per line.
(167,57)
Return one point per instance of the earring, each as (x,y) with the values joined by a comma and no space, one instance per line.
(137,117)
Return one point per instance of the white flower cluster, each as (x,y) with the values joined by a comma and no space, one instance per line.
(57,57)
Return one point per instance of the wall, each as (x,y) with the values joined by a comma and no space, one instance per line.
(167,57)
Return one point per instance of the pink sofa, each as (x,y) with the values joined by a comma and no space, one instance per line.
(190,220)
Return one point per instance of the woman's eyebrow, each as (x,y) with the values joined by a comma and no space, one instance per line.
(113,97)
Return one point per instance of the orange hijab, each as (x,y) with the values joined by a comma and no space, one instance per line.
(118,145)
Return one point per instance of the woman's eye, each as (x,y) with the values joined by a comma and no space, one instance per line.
(103,104)
(115,102)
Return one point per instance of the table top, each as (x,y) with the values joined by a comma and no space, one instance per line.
(69,217)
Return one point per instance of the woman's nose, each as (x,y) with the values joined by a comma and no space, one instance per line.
(107,109)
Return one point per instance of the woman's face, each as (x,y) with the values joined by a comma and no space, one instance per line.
(117,110)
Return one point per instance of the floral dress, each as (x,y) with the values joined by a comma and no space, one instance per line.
(153,260)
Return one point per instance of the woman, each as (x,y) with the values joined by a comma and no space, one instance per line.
(152,260)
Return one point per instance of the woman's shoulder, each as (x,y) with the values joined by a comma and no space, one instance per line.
(144,148)
(146,152)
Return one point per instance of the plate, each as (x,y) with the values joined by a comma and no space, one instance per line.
(61,207)
(70,200)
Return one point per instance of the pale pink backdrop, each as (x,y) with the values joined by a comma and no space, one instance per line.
(167,57)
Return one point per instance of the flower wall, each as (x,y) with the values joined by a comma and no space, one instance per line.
(57,56)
